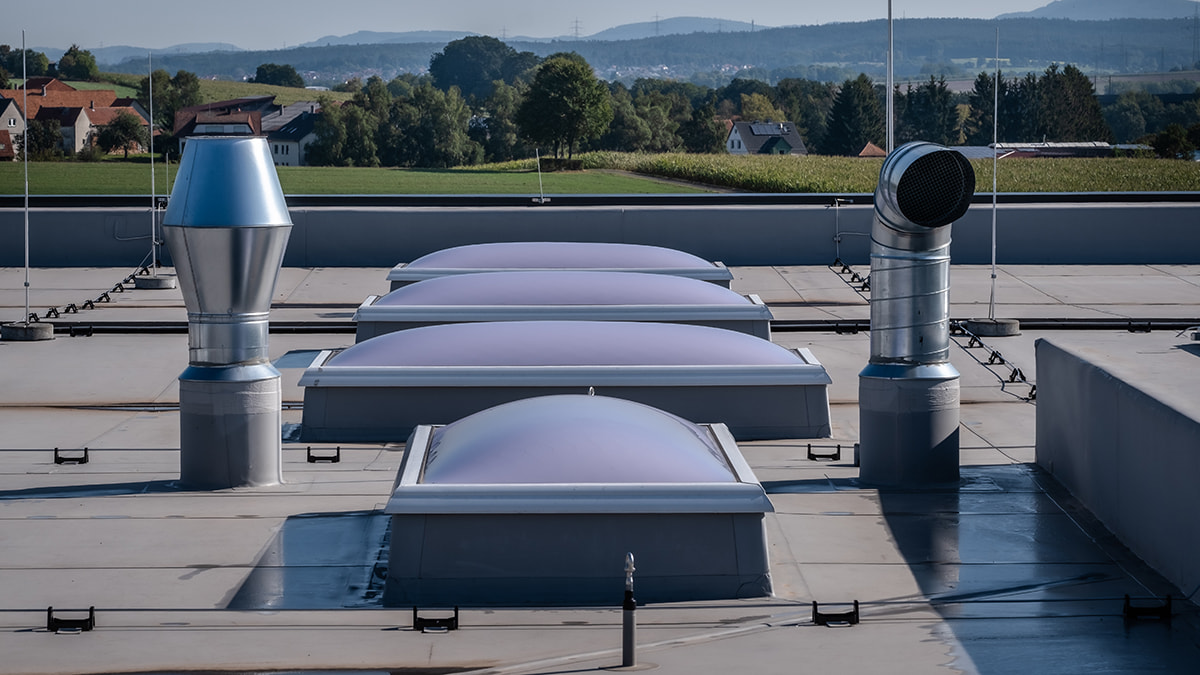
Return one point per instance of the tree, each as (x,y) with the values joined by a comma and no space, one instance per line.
(360,147)
(4,75)
(43,140)
(374,97)
(78,64)
(703,132)
(171,94)
(282,75)
(855,119)
(1067,107)
(807,104)
(330,129)
(732,93)
(627,132)
(430,129)
(1126,118)
(474,62)
(566,104)
(36,64)
(1173,143)
(124,131)
(758,108)
(928,113)
(495,128)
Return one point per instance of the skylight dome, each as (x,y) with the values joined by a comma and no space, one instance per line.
(574,439)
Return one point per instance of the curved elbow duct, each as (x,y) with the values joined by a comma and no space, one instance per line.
(908,393)
(922,189)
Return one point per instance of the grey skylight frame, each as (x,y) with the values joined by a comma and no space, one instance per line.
(743,494)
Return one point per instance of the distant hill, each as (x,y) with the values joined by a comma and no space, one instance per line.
(119,53)
(1104,10)
(370,37)
(955,48)
(681,25)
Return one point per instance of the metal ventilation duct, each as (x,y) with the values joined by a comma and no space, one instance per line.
(908,393)
(226,227)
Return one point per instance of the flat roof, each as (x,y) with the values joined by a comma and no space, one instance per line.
(1005,573)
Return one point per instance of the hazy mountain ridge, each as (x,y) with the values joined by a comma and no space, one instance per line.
(370,37)
(1104,10)
(680,25)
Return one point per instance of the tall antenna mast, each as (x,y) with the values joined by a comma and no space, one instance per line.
(995,165)
(891,135)
(153,191)
(25,112)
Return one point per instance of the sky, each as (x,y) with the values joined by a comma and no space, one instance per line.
(263,25)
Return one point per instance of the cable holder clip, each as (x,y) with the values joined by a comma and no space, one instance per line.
(848,618)
(1160,611)
(836,455)
(438,624)
(55,624)
(61,457)
(336,457)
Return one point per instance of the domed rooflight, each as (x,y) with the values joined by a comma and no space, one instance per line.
(550,255)
(574,439)
(562,295)
(478,503)
(378,390)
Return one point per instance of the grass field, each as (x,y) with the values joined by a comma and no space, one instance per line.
(816,174)
(687,173)
(133,177)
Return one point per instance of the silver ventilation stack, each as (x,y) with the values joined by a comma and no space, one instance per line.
(908,393)
(226,227)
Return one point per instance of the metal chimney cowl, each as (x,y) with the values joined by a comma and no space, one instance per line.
(909,392)
(226,227)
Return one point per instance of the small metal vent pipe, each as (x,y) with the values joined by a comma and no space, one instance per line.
(908,393)
(227,226)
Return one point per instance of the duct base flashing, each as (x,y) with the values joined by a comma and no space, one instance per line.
(909,419)
(229,424)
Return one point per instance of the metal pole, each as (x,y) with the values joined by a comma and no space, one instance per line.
(995,165)
(153,191)
(25,112)
(628,622)
(891,137)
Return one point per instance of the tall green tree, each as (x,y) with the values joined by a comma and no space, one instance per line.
(759,108)
(36,64)
(430,129)
(171,94)
(122,133)
(928,113)
(1173,143)
(473,63)
(284,75)
(807,104)
(1068,109)
(855,118)
(494,127)
(374,97)
(703,132)
(42,140)
(566,104)
(78,64)
(627,132)
(329,148)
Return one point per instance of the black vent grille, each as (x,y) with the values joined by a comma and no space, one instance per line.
(936,189)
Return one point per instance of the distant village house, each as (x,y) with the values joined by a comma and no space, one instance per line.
(764,138)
